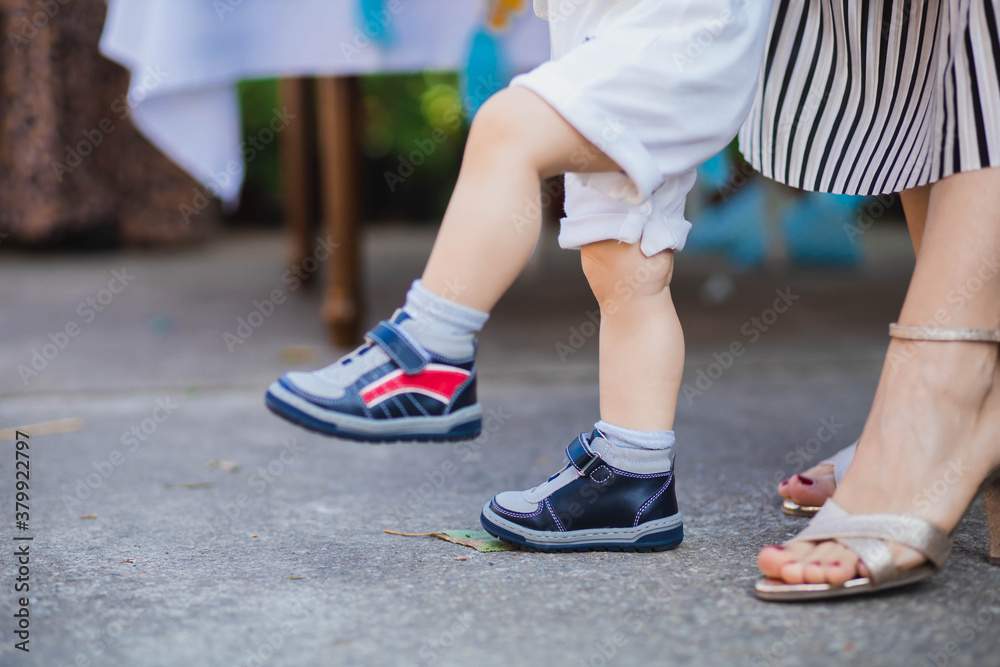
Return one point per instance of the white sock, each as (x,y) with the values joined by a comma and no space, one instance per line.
(443,327)
(627,438)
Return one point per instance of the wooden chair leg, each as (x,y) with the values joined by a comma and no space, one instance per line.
(338,117)
(299,184)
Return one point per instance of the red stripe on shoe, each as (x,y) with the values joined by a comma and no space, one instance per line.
(438,381)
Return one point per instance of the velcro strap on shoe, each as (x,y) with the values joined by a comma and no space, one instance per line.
(582,459)
(400,347)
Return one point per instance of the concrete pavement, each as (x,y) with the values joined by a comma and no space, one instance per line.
(283,561)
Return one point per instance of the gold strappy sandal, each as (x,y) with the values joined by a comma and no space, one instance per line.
(869,535)
(840,461)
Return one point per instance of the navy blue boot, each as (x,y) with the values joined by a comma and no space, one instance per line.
(388,390)
(605,499)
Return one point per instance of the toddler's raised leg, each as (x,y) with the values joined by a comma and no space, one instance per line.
(493,219)
(415,377)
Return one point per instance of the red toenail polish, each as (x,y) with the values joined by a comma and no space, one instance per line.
(783,482)
(837,564)
(804,480)
(815,562)
(776,546)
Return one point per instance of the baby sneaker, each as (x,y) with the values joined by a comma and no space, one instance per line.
(606,498)
(388,390)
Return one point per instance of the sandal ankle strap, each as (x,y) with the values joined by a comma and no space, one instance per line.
(939,334)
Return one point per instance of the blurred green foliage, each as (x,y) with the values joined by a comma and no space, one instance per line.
(411,141)
(260,201)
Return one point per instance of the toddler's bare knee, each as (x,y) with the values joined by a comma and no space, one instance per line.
(497,129)
(620,274)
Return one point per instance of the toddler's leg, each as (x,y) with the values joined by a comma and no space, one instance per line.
(617,491)
(642,344)
(494,216)
(415,378)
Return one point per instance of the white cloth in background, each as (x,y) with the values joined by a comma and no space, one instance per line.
(187,55)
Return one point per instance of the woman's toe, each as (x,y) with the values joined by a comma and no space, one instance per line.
(793,572)
(810,491)
(839,573)
(817,472)
(775,561)
(773,558)
(817,562)
(842,565)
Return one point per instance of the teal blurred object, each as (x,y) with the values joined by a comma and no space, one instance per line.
(161,325)
(485,73)
(376,21)
(813,226)
(734,227)
(814,230)
(717,172)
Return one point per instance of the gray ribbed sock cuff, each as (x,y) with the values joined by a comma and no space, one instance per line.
(627,438)
(442,326)
(421,303)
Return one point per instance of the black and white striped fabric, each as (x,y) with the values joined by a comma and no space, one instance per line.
(868,97)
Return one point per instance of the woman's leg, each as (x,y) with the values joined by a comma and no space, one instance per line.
(915,202)
(494,217)
(933,433)
(815,485)
(642,344)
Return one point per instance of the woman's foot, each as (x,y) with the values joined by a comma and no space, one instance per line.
(932,437)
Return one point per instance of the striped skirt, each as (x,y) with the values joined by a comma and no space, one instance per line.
(868,97)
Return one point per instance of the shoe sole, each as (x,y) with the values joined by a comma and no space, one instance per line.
(659,535)
(462,424)
(774,590)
